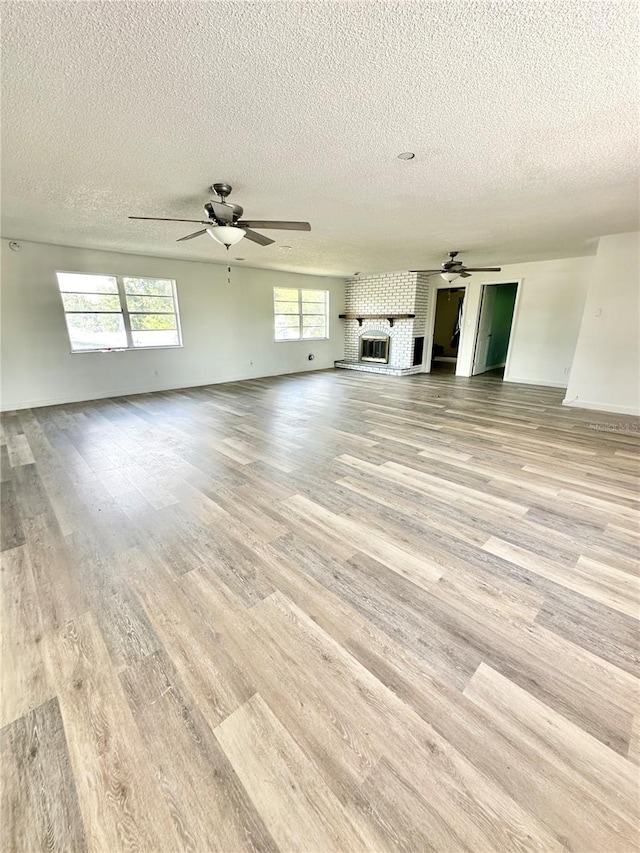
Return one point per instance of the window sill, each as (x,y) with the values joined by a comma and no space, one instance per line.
(121,349)
(299,340)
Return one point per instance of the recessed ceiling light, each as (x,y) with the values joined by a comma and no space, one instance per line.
(406,155)
(284,247)
(239,259)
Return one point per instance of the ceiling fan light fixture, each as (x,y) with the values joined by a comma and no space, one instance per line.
(228,235)
(449,276)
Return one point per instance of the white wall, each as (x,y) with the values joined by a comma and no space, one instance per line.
(606,368)
(227,329)
(548,312)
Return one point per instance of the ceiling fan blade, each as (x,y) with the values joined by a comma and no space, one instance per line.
(220,210)
(464,274)
(483,269)
(427,272)
(281,226)
(165,219)
(257,238)
(191,236)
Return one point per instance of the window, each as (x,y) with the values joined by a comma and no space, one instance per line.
(300,315)
(105,312)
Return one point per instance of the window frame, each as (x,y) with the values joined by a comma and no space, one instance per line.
(124,310)
(300,315)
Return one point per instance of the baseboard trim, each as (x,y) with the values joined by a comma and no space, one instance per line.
(601,407)
(539,382)
(61,401)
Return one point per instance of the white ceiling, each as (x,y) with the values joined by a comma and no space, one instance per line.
(522,116)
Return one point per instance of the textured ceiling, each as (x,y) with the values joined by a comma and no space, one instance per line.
(522,116)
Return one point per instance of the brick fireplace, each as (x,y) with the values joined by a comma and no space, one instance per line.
(386,294)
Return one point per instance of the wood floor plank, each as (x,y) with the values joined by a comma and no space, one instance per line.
(489,820)
(126,630)
(476,735)
(19,450)
(445,708)
(23,676)
(288,791)
(554,669)
(604,632)
(436,487)
(394,499)
(309,711)
(39,801)
(371,591)
(11,531)
(195,647)
(419,571)
(6,471)
(60,591)
(594,787)
(610,587)
(347,747)
(30,494)
(118,796)
(209,806)
(427,482)
(255,522)
(634,742)
(403,819)
(562,475)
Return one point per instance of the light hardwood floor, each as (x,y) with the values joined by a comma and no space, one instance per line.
(333,611)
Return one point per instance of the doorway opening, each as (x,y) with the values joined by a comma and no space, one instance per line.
(447,329)
(494,328)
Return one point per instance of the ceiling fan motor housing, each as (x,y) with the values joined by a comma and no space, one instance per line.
(235,210)
(222,190)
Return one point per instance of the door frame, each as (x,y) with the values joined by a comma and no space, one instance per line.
(518,284)
(431,320)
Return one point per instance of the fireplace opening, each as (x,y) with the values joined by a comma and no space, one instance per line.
(418,351)
(375,348)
